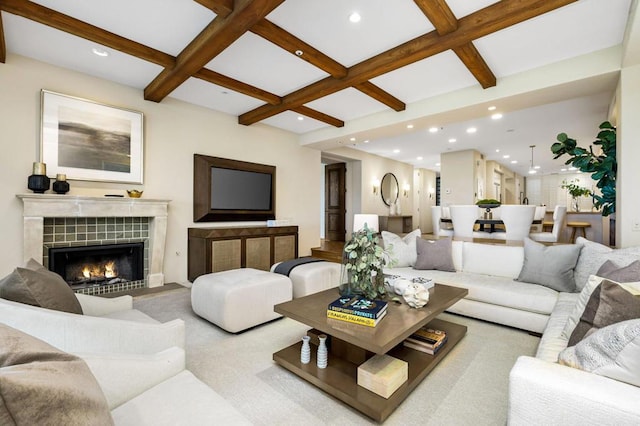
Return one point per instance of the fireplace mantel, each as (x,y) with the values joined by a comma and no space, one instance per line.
(38,206)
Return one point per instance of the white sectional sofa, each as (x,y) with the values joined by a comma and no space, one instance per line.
(138,362)
(541,390)
(488,272)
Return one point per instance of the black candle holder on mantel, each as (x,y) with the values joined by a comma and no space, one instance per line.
(38,182)
(61,186)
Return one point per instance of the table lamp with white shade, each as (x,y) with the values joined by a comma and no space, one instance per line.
(359,221)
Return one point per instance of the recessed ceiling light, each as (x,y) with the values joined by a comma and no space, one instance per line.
(355,17)
(300,118)
(496,116)
(514,161)
(299,52)
(100,52)
(563,170)
(367,141)
(492,108)
(573,168)
(409,126)
(352,139)
(433,129)
(472,130)
(437,164)
(395,151)
(533,172)
(536,167)
(506,156)
(419,158)
(452,140)
(497,150)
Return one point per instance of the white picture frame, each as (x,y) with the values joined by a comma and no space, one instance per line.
(87,140)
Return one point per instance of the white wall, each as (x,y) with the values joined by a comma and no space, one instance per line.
(174,131)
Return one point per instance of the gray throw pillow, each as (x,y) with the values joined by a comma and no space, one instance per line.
(550,266)
(593,255)
(41,288)
(40,385)
(627,274)
(434,255)
(612,352)
(609,304)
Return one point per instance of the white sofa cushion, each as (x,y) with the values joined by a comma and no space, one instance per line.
(402,250)
(593,255)
(612,351)
(499,260)
(491,289)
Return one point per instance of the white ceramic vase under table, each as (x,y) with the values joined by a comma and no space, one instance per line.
(305,352)
(323,355)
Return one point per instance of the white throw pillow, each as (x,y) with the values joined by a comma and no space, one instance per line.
(612,351)
(401,250)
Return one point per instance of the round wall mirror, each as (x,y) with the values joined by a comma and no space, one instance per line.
(389,189)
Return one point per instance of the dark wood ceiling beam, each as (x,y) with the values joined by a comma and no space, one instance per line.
(320,116)
(445,22)
(287,41)
(440,15)
(380,95)
(475,63)
(216,37)
(3,46)
(237,86)
(495,17)
(62,22)
(219,7)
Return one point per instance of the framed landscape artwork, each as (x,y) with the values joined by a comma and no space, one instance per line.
(89,141)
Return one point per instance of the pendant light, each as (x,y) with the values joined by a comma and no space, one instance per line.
(532,171)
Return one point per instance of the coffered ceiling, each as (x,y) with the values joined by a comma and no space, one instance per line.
(303,66)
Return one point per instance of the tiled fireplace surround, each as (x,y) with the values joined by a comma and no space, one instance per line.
(63,220)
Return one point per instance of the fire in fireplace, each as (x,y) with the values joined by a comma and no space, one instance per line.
(98,265)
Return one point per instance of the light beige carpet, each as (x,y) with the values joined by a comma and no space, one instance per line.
(469,387)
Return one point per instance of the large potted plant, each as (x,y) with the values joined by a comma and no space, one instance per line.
(602,166)
(362,261)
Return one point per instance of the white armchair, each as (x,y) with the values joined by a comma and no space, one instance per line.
(116,328)
(517,222)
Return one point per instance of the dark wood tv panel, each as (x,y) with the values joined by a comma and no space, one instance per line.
(221,249)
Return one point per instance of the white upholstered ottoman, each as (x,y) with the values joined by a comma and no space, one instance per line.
(313,277)
(239,298)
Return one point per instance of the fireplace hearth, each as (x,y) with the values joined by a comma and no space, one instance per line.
(98,265)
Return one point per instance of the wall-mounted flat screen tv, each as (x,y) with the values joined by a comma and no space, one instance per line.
(232,190)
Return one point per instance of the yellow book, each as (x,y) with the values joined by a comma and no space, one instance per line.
(369,322)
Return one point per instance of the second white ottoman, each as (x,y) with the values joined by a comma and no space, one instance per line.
(313,277)
(239,298)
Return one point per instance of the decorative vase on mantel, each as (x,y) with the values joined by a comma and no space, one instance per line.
(61,186)
(38,182)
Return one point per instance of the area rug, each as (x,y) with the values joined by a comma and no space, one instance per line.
(469,387)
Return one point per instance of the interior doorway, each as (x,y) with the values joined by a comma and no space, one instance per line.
(335,208)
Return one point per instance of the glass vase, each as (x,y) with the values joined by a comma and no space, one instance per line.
(575,204)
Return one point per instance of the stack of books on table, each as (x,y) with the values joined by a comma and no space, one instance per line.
(357,310)
(426,340)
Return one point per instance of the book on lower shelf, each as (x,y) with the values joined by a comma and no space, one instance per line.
(355,319)
(426,340)
(358,305)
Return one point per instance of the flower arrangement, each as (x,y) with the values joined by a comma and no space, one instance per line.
(362,262)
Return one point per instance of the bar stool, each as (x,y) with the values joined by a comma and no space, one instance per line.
(582,226)
(547,225)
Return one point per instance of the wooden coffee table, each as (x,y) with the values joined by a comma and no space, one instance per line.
(352,344)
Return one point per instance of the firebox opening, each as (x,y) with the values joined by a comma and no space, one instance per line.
(90,266)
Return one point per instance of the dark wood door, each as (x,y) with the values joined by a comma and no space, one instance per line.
(334,201)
